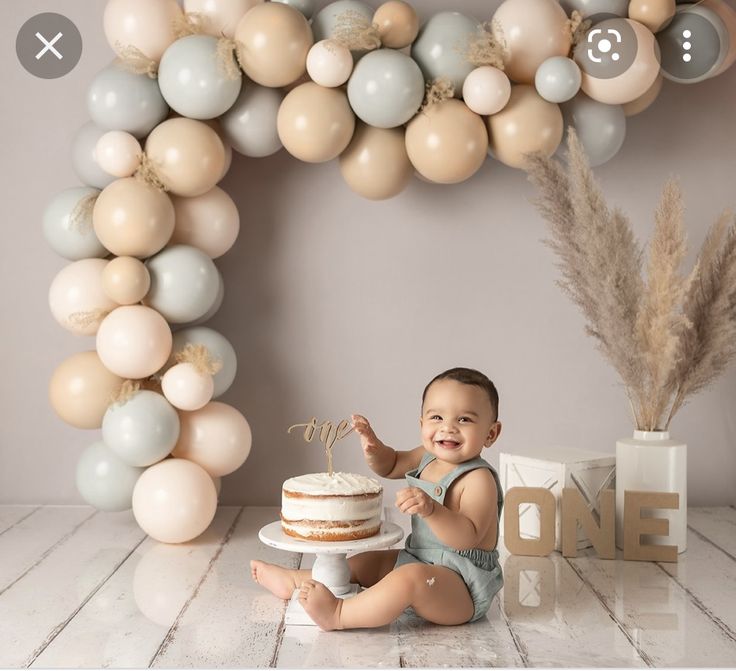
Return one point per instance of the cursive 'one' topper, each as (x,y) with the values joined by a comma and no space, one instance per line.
(329,434)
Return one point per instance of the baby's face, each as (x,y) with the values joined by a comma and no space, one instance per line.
(457,421)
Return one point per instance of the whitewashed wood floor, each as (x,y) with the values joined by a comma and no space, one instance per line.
(80,588)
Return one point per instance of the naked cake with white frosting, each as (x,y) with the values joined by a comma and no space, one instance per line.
(337,507)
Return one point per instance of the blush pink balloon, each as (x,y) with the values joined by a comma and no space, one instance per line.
(187,388)
(118,153)
(217,437)
(134,341)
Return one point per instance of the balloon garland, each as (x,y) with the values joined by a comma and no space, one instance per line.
(387,97)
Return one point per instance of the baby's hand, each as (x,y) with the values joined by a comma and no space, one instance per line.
(368,440)
(412,500)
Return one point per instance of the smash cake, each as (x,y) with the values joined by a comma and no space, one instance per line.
(337,507)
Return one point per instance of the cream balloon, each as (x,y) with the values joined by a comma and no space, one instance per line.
(209,222)
(375,164)
(315,123)
(81,389)
(132,218)
(147,25)
(186,387)
(398,24)
(174,501)
(532,31)
(274,41)
(329,63)
(76,297)
(221,17)
(217,437)
(118,153)
(654,14)
(527,124)
(134,341)
(486,90)
(645,100)
(126,280)
(447,143)
(188,156)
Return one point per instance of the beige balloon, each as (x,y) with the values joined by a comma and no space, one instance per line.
(645,100)
(174,501)
(527,124)
(187,155)
(217,437)
(315,123)
(274,41)
(398,24)
(132,218)
(728,15)
(654,14)
(148,26)
(126,280)
(447,142)
(375,164)
(221,17)
(81,389)
(532,31)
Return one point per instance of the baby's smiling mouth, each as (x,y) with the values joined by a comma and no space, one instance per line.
(448,443)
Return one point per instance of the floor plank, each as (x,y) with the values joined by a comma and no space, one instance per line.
(39,605)
(233,622)
(12,514)
(128,618)
(717,525)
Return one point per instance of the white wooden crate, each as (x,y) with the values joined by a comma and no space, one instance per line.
(554,468)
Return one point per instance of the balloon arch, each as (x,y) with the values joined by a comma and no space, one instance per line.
(388,97)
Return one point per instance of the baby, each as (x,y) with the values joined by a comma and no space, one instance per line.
(448,571)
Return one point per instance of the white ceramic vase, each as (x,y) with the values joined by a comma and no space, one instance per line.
(650,461)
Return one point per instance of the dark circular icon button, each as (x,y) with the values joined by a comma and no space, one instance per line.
(48,45)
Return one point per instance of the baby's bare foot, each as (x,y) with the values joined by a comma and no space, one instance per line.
(276,579)
(321,605)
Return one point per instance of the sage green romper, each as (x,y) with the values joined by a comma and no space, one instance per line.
(480,569)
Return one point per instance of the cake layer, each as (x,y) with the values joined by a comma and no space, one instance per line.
(309,531)
(324,484)
(331,508)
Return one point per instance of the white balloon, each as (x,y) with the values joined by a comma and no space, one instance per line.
(186,388)
(486,90)
(118,153)
(329,63)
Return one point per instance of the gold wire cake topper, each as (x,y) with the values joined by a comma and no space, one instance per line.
(329,434)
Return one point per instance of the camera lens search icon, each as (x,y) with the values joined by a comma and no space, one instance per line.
(608,50)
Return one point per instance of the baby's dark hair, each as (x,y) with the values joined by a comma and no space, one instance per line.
(468,376)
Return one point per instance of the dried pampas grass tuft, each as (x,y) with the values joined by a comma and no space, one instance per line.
(667,336)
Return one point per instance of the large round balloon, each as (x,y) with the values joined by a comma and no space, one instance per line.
(193,79)
(104,480)
(398,24)
(209,222)
(376,164)
(600,128)
(219,17)
(132,218)
(174,500)
(81,388)
(219,348)
(184,283)
(386,88)
(68,228)
(527,124)
(119,99)
(76,297)
(250,124)
(315,123)
(217,437)
(447,143)
(142,430)
(619,61)
(274,42)
(654,14)
(441,45)
(533,31)
(188,156)
(84,159)
(125,280)
(148,26)
(134,341)
(645,100)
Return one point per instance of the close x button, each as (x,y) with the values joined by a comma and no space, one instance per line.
(48,45)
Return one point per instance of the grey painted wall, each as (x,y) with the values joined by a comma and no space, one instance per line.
(336,304)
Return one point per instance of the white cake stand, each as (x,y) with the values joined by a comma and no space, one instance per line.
(331,562)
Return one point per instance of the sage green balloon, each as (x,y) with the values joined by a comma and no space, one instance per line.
(601,128)
(104,480)
(249,126)
(306,7)
(72,239)
(386,88)
(83,156)
(440,47)
(558,79)
(218,346)
(142,430)
(324,22)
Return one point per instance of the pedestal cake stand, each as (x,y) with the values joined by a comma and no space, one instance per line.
(331,562)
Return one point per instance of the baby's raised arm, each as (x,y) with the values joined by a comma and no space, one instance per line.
(382,459)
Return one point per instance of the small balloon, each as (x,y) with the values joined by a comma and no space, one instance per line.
(398,24)
(329,63)
(219,349)
(486,90)
(118,153)
(654,14)
(558,79)
(186,387)
(125,280)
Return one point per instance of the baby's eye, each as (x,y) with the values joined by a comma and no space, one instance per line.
(435,417)
(465,419)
